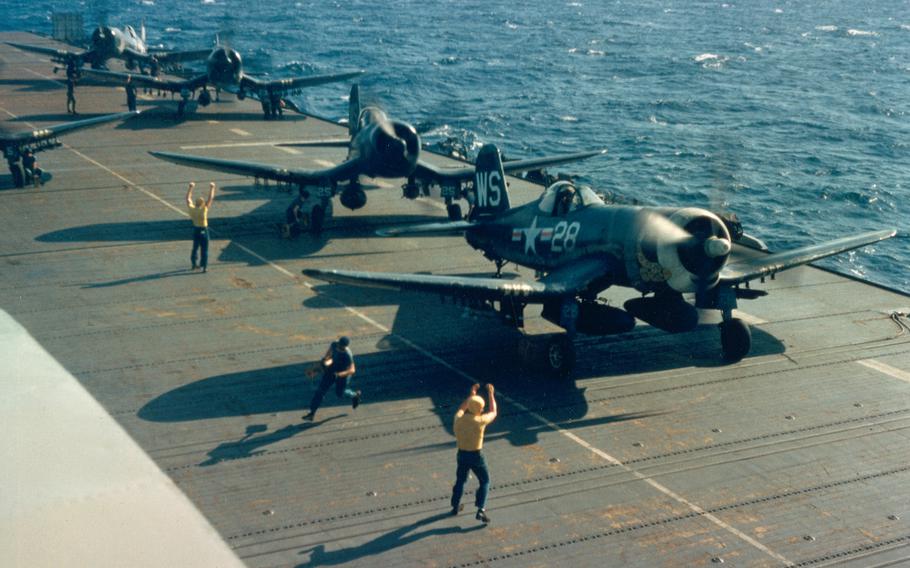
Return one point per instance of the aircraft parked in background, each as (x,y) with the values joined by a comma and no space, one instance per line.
(108,42)
(224,70)
(581,246)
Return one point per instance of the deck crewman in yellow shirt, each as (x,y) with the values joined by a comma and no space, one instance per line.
(199,214)
(470,423)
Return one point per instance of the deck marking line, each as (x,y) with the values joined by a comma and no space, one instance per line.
(288,149)
(899,374)
(749,318)
(240,132)
(654,484)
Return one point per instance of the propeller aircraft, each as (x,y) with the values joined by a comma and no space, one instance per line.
(580,246)
(378,147)
(108,42)
(224,71)
(14,145)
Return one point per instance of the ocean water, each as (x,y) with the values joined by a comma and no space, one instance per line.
(793,114)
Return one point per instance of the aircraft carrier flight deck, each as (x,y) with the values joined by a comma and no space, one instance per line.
(653,453)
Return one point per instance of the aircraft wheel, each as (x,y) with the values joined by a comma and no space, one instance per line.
(559,356)
(454,211)
(317,219)
(735,339)
(411,190)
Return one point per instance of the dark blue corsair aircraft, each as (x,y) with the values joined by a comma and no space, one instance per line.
(581,246)
(378,147)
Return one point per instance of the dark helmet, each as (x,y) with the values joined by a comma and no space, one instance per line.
(344,341)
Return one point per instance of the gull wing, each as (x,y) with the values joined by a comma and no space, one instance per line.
(253,85)
(58,55)
(140,80)
(744,270)
(344,170)
(568,281)
(33,136)
(429,171)
(180,56)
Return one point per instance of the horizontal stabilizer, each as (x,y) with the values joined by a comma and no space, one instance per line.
(745,270)
(441,229)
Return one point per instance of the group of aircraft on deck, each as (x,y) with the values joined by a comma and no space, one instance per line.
(680,260)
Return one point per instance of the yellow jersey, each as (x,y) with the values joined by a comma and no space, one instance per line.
(469,429)
(199,216)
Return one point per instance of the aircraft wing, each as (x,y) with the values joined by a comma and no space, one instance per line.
(567,281)
(426,170)
(327,143)
(343,170)
(34,136)
(140,80)
(59,55)
(750,269)
(253,85)
(180,56)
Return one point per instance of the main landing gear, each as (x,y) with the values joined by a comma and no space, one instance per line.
(554,354)
(735,338)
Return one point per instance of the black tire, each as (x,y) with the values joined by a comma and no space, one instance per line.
(735,339)
(317,219)
(454,211)
(559,356)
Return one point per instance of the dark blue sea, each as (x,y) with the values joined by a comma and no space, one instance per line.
(793,114)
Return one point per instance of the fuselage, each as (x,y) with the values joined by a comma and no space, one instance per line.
(650,249)
(384,147)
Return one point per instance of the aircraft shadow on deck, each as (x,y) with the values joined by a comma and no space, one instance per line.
(262,222)
(33,85)
(58,117)
(643,350)
(160,113)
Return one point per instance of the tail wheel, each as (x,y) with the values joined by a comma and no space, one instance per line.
(454,212)
(735,339)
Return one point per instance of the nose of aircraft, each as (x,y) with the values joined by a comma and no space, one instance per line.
(716,247)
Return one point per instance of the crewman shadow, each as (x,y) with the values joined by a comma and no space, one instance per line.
(401,536)
(249,446)
(145,278)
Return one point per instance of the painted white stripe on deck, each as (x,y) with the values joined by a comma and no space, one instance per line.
(230,145)
(239,132)
(324,163)
(470,379)
(899,374)
(749,318)
(288,150)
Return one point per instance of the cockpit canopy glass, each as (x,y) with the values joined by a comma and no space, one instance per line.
(564,196)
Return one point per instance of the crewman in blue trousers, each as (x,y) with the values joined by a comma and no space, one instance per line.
(199,214)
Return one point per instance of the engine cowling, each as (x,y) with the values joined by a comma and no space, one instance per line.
(394,149)
(693,262)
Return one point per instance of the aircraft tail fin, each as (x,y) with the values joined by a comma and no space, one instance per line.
(491,194)
(354,110)
(142,31)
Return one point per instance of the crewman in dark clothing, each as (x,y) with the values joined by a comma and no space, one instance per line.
(30,167)
(338,368)
(275,103)
(15,166)
(130,94)
(154,69)
(71,76)
(298,219)
(266,102)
